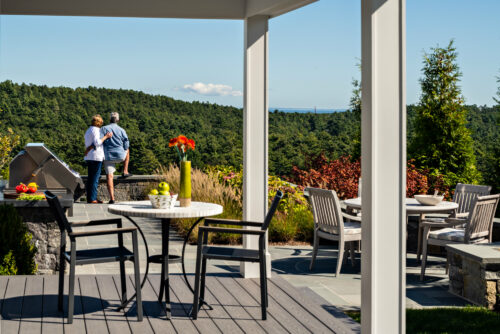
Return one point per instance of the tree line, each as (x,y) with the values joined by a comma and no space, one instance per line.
(59,116)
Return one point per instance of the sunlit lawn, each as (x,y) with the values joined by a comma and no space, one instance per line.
(470,319)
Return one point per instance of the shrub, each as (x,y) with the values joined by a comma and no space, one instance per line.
(17,252)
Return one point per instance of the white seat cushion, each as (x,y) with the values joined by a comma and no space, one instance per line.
(352,228)
(349,228)
(451,234)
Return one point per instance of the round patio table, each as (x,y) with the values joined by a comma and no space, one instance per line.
(413,207)
(145,210)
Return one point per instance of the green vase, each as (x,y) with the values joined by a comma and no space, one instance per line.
(185,189)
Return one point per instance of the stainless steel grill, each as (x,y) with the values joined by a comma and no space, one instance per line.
(36,163)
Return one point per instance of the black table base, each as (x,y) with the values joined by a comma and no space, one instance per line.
(164,259)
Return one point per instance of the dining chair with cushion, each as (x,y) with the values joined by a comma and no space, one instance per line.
(329,224)
(478,227)
(464,195)
(91,256)
(206,252)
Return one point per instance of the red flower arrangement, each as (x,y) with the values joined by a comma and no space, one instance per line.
(182,144)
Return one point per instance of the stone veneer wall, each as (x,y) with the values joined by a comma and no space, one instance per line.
(474,281)
(133,188)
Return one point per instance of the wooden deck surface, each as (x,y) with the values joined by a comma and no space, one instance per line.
(28,304)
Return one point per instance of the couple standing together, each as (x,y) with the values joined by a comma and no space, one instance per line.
(105,145)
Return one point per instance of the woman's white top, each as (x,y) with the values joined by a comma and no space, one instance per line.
(93,137)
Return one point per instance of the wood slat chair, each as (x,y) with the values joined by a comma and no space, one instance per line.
(465,195)
(478,227)
(329,224)
(205,252)
(91,256)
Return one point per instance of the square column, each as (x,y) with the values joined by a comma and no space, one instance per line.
(255,133)
(383,152)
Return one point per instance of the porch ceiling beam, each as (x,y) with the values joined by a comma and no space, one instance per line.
(190,9)
(273,8)
(195,9)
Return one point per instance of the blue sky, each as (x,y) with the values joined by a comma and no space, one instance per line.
(312,52)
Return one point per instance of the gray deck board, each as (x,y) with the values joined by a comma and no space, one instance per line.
(95,320)
(114,318)
(303,315)
(275,310)
(233,308)
(31,311)
(144,326)
(13,304)
(252,305)
(203,323)
(28,304)
(52,322)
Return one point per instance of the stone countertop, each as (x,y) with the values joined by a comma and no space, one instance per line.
(65,203)
(483,253)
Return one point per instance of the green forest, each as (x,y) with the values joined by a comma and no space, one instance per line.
(59,116)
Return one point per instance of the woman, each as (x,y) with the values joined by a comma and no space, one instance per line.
(94,155)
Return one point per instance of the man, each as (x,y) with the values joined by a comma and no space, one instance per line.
(116,150)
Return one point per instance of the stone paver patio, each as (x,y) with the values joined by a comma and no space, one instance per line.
(289,262)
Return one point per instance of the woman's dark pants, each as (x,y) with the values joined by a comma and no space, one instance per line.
(94,173)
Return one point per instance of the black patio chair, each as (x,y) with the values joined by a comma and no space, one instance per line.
(92,256)
(205,252)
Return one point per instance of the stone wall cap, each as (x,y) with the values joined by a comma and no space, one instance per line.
(483,253)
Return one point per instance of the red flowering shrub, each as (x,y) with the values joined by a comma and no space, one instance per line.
(342,175)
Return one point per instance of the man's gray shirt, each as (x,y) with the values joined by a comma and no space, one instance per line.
(115,148)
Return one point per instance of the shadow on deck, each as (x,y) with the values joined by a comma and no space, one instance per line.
(29,304)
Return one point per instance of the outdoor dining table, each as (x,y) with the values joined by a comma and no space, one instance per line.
(144,209)
(413,207)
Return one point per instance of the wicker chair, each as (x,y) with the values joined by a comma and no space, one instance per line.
(478,227)
(329,224)
(464,195)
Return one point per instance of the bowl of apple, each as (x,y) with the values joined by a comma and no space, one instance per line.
(161,198)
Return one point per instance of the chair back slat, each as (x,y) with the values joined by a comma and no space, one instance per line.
(272,209)
(480,220)
(326,210)
(58,212)
(466,194)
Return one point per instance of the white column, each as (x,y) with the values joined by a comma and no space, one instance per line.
(383,152)
(255,133)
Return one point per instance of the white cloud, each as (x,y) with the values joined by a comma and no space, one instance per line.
(211,89)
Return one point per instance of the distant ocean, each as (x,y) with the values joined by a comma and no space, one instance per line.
(307,110)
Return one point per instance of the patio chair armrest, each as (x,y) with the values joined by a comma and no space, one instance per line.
(111,221)
(102,232)
(351,217)
(216,221)
(455,221)
(462,215)
(448,222)
(206,229)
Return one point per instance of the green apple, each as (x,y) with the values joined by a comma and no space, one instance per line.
(164,192)
(153,192)
(163,186)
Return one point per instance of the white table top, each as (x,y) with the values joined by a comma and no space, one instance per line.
(144,209)
(412,206)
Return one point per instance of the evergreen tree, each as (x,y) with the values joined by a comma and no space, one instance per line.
(442,143)
(355,107)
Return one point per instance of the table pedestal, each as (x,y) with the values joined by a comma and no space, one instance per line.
(164,259)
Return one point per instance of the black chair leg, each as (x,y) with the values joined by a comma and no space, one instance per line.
(122,267)
(196,297)
(71,297)
(137,274)
(203,278)
(263,287)
(62,266)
